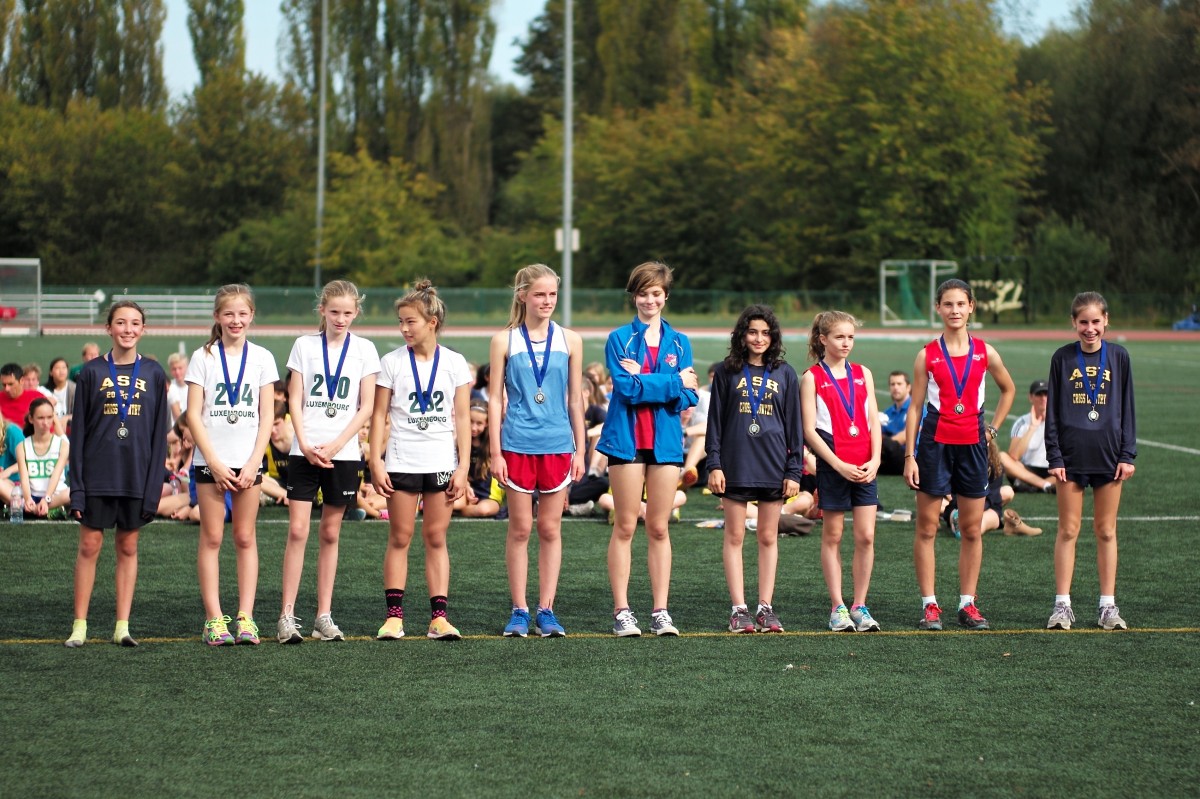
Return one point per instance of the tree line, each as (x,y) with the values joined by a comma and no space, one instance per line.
(769,143)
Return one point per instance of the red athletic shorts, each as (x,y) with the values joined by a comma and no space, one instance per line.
(543,473)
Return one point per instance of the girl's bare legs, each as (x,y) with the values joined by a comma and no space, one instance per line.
(245,542)
(864,551)
(928,508)
(626,481)
(402,523)
(768,549)
(970,552)
(831,553)
(1106,499)
(660,501)
(549,525)
(211,505)
(516,545)
(90,542)
(731,550)
(328,533)
(127,568)
(299,519)
(435,523)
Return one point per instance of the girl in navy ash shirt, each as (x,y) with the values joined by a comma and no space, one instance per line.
(755,454)
(1091,440)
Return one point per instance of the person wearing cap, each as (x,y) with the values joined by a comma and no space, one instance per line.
(1029,470)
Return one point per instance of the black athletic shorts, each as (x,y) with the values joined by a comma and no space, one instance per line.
(203,475)
(339,485)
(429,483)
(122,513)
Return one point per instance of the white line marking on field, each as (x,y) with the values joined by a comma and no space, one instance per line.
(1172,447)
(1123,518)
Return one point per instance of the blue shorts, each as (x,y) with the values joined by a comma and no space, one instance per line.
(836,493)
(960,469)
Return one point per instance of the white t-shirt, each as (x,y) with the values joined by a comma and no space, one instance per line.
(1035,453)
(306,359)
(59,395)
(41,467)
(177,393)
(233,443)
(411,450)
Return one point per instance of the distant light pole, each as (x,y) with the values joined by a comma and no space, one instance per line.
(568,100)
(321,141)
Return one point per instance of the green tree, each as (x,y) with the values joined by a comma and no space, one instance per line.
(91,192)
(380,227)
(245,147)
(218,36)
(1124,156)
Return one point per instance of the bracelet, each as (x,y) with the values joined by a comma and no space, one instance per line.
(995,433)
(909,456)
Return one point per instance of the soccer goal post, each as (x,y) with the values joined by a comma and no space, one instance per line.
(20,296)
(906,291)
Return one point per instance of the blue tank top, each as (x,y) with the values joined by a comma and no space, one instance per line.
(530,427)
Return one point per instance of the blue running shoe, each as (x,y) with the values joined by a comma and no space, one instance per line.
(547,624)
(518,624)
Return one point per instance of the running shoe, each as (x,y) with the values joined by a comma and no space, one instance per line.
(931,617)
(765,621)
(661,624)
(325,630)
(518,624)
(78,634)
(954,528)
(864,622)
(581,508)
(287,630)
(1062,618)
(740,621)
(625,625)
(247,630)
(1110,619)
(121,636)
(840,621)
(547,625)
(970,617)
(440,629)
(392,629)
(216,632)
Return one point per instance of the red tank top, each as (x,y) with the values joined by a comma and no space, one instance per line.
(834,421)
(643,427)
(953,426)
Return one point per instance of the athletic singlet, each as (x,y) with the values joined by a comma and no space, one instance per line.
(833,421)
(949,426)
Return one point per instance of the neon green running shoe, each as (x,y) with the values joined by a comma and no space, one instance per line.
(78,634)
(216,632)
(247,630)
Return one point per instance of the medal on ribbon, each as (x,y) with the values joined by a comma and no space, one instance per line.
(539,374)
(755,397)
(332,380)
(959,385)
(124,400)
(424,397)
(847,403)
(1093,388)
(233,390)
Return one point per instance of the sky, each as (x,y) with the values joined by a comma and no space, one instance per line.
(263,23)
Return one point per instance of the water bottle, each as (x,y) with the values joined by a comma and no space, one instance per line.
(16,506)
(174,483)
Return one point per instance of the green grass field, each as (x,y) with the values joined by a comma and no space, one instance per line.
(1015,711)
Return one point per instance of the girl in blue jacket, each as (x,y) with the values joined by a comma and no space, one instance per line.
(653,382)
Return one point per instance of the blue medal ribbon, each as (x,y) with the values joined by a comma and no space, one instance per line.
(424,397)
(848,404)
(1093,388)
(234,391)
(538,374)
(332,380)
(754,396)
(123,406)
(959,385)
